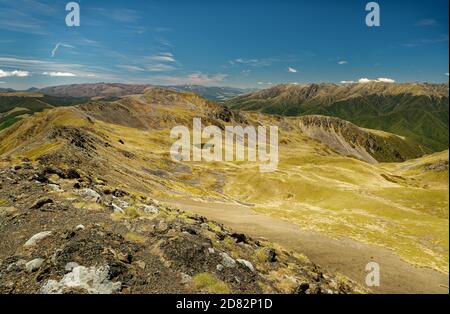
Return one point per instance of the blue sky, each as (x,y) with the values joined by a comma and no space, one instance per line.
(245,43)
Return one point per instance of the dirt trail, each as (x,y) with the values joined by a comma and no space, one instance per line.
(344,255)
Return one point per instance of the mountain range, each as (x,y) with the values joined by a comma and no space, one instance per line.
(92,174)
(417,111)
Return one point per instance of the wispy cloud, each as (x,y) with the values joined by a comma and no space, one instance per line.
(14,73)
(41,66)
(122,15)
(26,16)
(342,62)
(162,57)
(427,41)
(251,62)
(131,68)
(55,49)
(197,78)
(59,74)
(426,22)
(292,70)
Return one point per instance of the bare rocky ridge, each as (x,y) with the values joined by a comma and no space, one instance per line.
(65,232)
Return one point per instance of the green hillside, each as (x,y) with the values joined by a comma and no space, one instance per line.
(417,111)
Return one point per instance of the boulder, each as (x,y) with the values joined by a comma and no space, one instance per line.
(34,265)
(37,238)
(92,280)
(227,261)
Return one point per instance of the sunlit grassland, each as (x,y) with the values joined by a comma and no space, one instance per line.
(400,206)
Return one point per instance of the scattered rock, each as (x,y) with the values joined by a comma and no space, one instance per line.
(185,278)
(219,267)
(240,237)
(70,266)
(90,194)
(119,193)
(141,264)
(302,288)
(211,250)
(55,188)
(17,266)
(72,174)
(148,209)
(80,228)
(161,227)
(34,265)
(227,261)
(92,280)
(37,238)
(271,255)
(41,203)
(117,209)
(246,264)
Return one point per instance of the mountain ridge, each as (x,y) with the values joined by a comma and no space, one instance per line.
(415,110)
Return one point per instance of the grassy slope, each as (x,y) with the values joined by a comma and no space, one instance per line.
(402,206)
(419,117)
(29,103)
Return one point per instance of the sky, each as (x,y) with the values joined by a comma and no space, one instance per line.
(246,43)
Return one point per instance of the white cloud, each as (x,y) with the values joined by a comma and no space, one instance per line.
(367,80)
(131,68)
(55,49)
(427,22)
(162,57)
(59,74)
(342,62)
(15,73)
(385,80)
(192,79)
(39,66)
(379,80)
(159,67)
(264,83)
(292,70)
(2,82)
(446,73)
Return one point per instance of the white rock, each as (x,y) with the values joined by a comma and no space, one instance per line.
(33,265)
(80,227)
(123,204)
(246,264)
(219,267)
(117,209)
(37,238)
(227,261)
(90,194)
(70,266)
(94,280)
(211,250)
(185,278)
(55,188)
(148,209)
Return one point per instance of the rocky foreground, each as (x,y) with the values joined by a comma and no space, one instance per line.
(64,231)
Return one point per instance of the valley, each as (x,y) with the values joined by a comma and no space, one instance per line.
(342,195)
